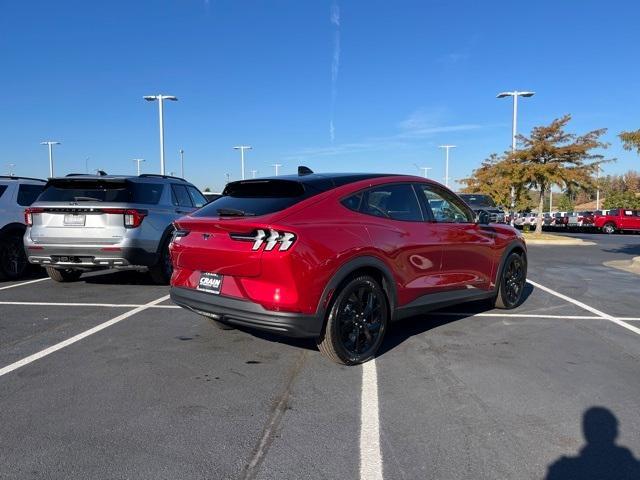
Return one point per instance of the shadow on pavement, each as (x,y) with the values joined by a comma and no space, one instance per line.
(600,458)
(629,249)
(407,328)
(122,277)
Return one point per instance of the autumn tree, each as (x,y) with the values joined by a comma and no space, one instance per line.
(551,156)
(631,140)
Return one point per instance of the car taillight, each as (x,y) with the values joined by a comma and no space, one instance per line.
(132,217)
(269,238)
(28,215)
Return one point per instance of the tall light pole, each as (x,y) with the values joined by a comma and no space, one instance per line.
(598,189)
(514,127)
(254,173)
(227,176)
(181,152)
(446,164)
(138,162)
(10,172)
(425,171)
(242,148)
(50,144)
(161,99)
(277,167)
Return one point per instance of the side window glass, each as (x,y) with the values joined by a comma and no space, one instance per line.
(27,194)
(198,199)
(445,207)
(180,196)
(397,202)
(353,202)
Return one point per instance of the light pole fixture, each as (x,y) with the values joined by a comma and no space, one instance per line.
(10,172)
(514,126)
(138,162)
(50,144)
(181,152)
(425,171)
(254,173)
(242,148)
(228,177)
(161,99)
(446,162)
(277,167)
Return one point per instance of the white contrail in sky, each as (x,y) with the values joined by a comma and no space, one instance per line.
(334,17)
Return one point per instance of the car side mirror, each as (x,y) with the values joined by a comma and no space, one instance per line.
(482,217)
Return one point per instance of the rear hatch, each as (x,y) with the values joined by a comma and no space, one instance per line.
(89,211)
(229,235)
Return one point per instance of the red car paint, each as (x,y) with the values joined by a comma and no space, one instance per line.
(620,219)
(424,257)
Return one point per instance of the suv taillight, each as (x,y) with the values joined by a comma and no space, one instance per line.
(132,217)
(269,238)
(28,215)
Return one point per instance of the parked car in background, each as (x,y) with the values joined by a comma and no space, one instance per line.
(529,219)
(478,202)
(580,220)
(337,257)
(618,220)
(561,220)
(16,193)
(87,222)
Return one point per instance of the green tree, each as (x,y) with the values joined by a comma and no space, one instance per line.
(551,156)
(631,140)
(565,204)
(622,200)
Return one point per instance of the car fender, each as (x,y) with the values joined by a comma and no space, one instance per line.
(352,265)
(510,247)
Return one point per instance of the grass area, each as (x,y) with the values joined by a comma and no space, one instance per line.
(543,236)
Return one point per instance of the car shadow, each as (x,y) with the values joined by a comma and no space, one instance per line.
(417,325)
(117,277)
(629,249)
(600,458)
(399,331)
(32,273)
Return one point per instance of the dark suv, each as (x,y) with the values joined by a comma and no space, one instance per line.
(479,201)
(338,257)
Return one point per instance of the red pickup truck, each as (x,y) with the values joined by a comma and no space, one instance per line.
(618,219)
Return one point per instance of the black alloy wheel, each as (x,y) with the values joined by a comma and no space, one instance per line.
(512,282)
(13,260)
(356,323)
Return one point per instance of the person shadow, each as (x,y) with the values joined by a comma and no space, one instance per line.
(600,458)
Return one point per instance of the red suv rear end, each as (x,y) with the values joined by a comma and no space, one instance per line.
(338,257)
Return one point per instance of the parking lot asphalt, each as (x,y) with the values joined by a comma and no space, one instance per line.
(104,378)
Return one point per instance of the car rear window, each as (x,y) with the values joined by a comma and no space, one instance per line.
(101,191)
(256,197)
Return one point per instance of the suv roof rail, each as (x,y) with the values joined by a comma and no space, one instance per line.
(79,175)
(16,177)
(157,175)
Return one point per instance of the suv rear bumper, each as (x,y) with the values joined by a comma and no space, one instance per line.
(247,314)
(90,256)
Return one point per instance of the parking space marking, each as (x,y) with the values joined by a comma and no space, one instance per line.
(370,456)
(78,337)
(79,304)
(584,306)
(518,315)
(25,283)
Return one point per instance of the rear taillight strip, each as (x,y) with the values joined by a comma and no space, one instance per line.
(28,214)
(269,238)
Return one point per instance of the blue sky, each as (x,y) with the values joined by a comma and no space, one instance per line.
(394,79)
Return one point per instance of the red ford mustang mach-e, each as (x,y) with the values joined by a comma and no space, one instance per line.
(339,257)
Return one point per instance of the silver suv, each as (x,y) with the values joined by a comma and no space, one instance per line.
(84,222)
(16,193)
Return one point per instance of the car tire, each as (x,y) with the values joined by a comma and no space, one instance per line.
(609,228)
(161,272)
(13,259)
(63,275)
(356,322)
(512,282)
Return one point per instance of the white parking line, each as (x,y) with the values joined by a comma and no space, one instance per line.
(518,315)
(584,306)
(79,304)
(370,456)
(24,283)
(78,337)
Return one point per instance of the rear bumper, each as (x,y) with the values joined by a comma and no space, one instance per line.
(247,314)
(89,256)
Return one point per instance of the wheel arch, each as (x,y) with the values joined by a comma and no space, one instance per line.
(12,228)
(516,246)
(364,265)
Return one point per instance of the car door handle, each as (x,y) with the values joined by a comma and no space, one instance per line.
(178,210)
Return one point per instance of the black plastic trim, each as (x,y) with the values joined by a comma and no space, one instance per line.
(434,301)
(246,313)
